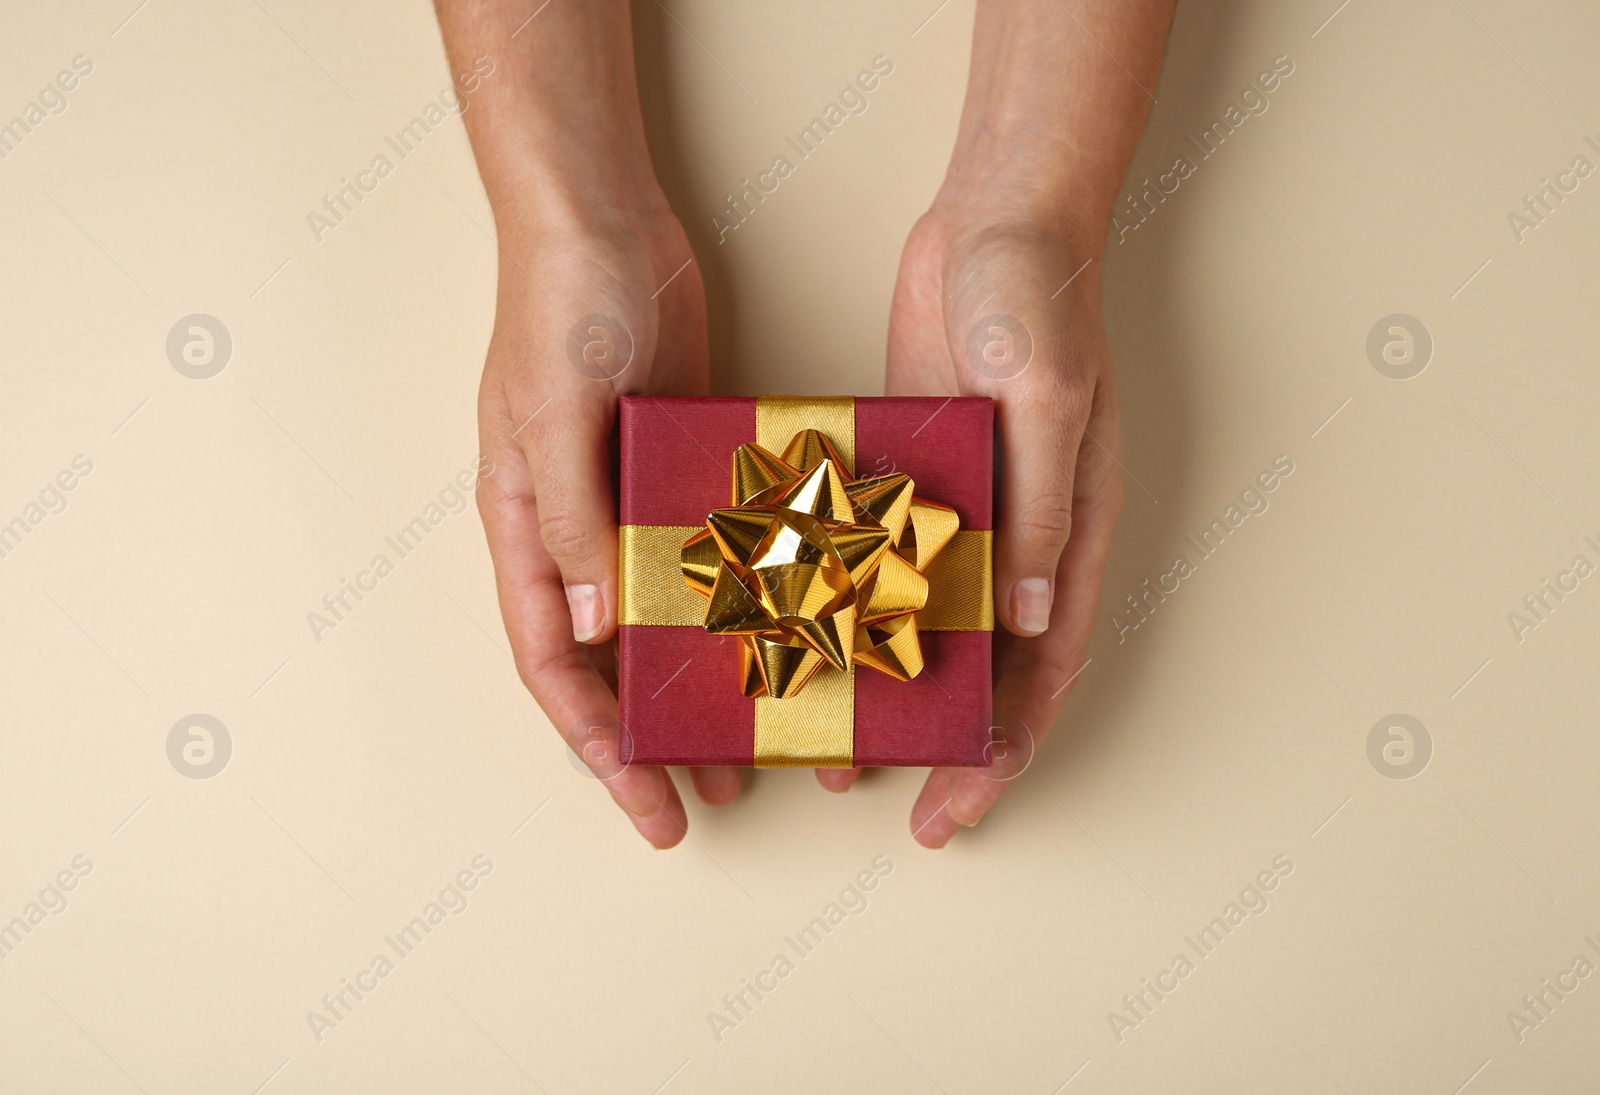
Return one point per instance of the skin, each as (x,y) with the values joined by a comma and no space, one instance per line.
(1055,103)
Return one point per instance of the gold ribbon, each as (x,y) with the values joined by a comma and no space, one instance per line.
(815,572)
(960,581)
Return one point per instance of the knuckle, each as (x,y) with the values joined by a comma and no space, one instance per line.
(1054,670)
(1076,394)
(536,669)
(1069,388)
(1046,520)
(565,536)
(497,497)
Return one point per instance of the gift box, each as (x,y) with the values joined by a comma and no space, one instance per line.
(805,582)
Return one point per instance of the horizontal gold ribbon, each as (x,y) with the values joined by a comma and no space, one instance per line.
(960,581)
(653,592)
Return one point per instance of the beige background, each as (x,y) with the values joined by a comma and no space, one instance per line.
(1231,728)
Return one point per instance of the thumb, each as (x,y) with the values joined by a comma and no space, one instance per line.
(1015,341)
(568,451)
(1040,416)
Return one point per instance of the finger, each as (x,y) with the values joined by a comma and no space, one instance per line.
(666,827)
(931,823)
(566,444)
(957,799)
(716,786)
(556,668)
(837,780)
(645,793)
(1041,423)
(972,791)
(1037,674)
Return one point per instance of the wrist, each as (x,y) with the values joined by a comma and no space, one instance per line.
(1052,117)
(542,197)
(1005,183)
(558,132)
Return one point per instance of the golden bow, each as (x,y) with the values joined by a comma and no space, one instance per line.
(811,567)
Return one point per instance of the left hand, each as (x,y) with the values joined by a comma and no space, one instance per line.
(1044,363)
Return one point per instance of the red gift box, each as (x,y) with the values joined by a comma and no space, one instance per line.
(679,686)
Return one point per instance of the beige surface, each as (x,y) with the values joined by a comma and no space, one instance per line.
(372,766)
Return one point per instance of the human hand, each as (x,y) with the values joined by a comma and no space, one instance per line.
(586,314)
(1011,311)
(998,295)
(599,296)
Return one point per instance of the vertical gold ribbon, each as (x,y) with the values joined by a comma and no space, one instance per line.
(817,727)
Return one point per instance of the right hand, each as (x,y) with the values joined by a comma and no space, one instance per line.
(546,409)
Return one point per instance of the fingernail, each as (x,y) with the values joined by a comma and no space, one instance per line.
(961,817)
(588,611)
(1030,604)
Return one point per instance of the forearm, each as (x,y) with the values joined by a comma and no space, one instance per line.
(1056,99)
(556,128)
